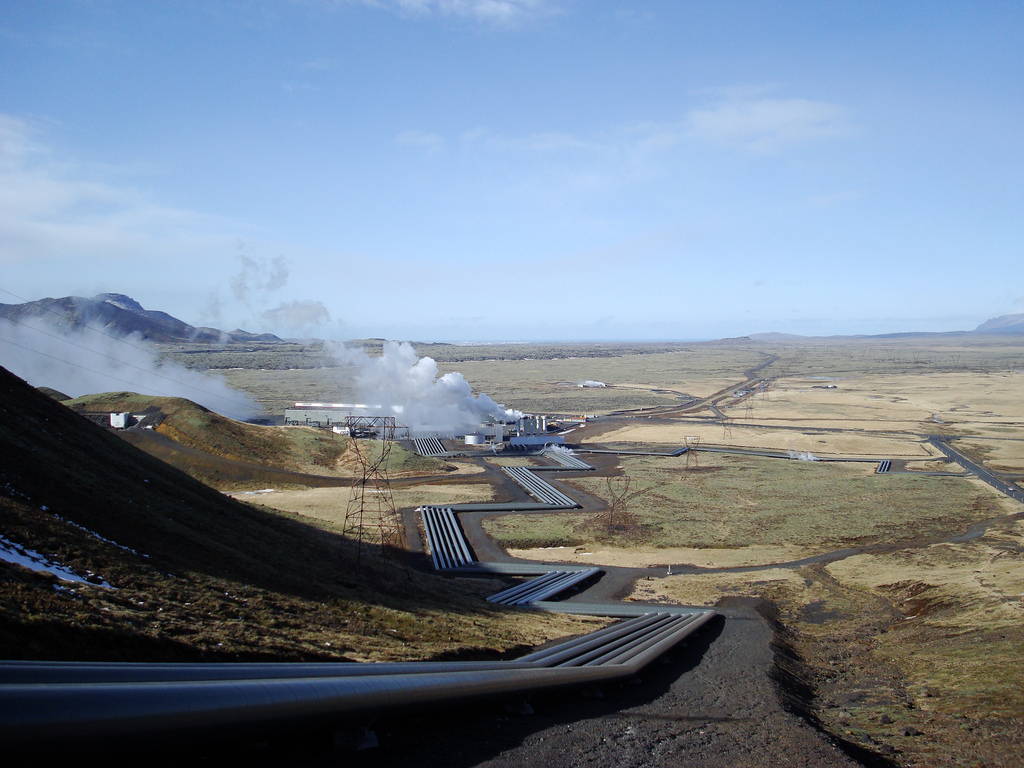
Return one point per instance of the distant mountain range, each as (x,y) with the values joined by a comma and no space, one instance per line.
(123,315)
(1005,324)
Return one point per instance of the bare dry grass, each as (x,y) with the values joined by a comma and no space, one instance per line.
(673,433)
(646,556)
(276,390)
(921,402)
(1002,454)
(635,380)
(916,647)
(331,504)
(734,501)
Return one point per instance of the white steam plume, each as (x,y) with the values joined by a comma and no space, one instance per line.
(556,448)
(253,285)
(402,380)
(802,456)
(89,360)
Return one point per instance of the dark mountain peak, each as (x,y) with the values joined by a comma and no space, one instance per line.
(123,315)
(120,301)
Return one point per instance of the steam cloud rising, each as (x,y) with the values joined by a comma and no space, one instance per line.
(89,360)
(253,285)
(425,402)
(802,456)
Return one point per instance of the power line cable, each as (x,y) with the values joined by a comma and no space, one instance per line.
(68,362)
(147,371)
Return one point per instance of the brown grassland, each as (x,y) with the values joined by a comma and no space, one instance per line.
(909,621)
(915,643)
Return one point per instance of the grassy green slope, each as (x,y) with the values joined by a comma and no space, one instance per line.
(203,444)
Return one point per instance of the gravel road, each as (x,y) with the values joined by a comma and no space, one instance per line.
(713,703)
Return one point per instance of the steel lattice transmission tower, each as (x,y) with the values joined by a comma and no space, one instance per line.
(692,444)
(618,512)
(371,517)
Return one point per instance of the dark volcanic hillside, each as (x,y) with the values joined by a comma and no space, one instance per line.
(194,573)
(121,315)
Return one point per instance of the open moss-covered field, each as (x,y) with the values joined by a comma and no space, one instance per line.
(799,508)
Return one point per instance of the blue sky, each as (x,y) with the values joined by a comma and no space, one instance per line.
(518,170)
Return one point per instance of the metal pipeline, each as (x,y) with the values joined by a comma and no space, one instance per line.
(49,705)
(52,705)
(95,713)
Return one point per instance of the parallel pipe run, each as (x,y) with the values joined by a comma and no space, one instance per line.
(512,594)
(539,489)
(428,446)
(68,709)
(625,642)
(454,541)
(76,672)
(433,531)
(547,584)
(566,581)
(622,653)
(646,656)
(448,547)
(53,704)
(563,652)
(567,460)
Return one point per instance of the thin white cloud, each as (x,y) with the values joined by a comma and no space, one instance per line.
(624,155)
(495,11)
(55,209)
(768,126)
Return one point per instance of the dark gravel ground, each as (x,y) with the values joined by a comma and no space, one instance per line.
(711,703)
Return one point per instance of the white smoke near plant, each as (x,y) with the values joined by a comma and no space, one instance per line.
(87,360)
(403,383)
(803,456)
(589,383)
(556,448)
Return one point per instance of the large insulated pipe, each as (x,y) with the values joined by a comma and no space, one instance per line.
(57,710)
(75,672)
(563,652)
(48,715)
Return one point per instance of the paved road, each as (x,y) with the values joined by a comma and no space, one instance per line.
(971,466)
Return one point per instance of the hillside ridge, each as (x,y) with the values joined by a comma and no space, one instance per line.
(123,316)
